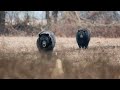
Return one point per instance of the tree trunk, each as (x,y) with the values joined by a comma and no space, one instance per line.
(55,16)
(48,19)
(2,22)
(27,18)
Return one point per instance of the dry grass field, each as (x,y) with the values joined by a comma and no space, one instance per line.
(20,59)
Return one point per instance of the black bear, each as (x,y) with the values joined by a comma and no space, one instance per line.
(46,41)
(83,38)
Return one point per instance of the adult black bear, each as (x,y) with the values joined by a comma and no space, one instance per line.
(46,41)
(83,38)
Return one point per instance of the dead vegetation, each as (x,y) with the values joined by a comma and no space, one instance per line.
(67,25)
(20,59)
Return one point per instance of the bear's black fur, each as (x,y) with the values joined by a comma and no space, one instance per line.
(46,41)
(83,38)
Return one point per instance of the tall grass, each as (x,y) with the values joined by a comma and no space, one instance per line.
(20,59)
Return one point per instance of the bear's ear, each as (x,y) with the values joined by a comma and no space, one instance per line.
(39,35)
(84,31)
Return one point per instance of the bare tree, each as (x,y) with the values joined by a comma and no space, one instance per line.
(16,17)
(9,17)
(2,22)
(26,17)
(48,19)
(55,16)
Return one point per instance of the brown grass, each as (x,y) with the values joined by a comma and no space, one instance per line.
(20,59)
